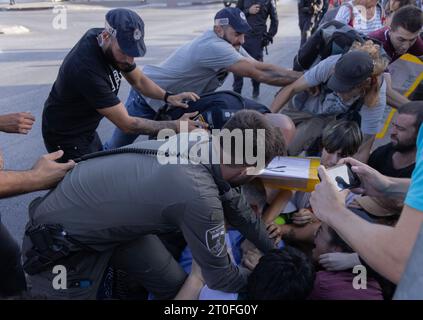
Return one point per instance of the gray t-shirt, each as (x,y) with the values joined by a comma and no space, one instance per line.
(331,104)
(198,66)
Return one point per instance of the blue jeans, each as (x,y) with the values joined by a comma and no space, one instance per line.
(137,107)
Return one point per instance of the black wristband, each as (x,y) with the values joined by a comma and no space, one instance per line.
(131,68)
(166,96)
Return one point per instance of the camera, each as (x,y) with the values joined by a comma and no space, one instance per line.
(343,177)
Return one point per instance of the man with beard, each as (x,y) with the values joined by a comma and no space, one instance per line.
(112,208)
(202,66)
(88,82)
(397,158)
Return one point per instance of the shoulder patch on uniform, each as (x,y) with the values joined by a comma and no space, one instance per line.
(215,239)
(137,34)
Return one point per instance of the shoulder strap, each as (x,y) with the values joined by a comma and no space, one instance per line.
(382,13)
(351,8)
(356,106)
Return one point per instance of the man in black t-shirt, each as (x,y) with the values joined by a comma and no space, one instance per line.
(88,82)
(398,158)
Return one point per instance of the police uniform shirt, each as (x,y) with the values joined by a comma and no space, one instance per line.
(111,200)
(258,21)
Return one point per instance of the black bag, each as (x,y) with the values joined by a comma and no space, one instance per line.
(215,108)
(331,38)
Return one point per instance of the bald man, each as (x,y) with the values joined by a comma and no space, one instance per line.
(285,125)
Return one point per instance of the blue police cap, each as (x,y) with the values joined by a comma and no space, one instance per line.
(233,17)
(128,28)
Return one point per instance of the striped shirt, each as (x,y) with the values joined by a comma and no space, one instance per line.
(360,22)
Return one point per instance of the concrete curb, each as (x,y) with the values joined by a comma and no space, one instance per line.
(137,4)
(97,5)
(27,7)
(13,29)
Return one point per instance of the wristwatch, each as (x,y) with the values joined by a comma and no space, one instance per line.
(166,96)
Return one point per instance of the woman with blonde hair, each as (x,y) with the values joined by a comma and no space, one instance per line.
(349,86)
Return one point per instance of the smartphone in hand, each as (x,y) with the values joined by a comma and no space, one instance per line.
(343,177)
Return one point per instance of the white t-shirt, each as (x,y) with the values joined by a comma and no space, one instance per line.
(331,104)
(198,66)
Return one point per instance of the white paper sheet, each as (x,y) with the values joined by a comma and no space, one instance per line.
(289,167)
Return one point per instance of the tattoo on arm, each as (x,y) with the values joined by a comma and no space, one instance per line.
(278,78)
(150,127)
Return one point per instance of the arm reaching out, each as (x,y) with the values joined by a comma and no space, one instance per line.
(287,93)
(265,73)
(45,174)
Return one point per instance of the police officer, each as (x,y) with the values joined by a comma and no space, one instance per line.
(202,66)
(112,208)
(310,13)
(87,86)
(257,13)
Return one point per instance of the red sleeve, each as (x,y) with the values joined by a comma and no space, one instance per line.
(378,35)
(417,48)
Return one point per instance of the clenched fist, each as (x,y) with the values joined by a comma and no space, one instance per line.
(20,122)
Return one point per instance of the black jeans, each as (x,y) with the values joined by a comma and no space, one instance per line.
(12,277)
(74,148)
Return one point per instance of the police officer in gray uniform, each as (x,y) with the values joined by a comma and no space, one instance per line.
(110,209)
(257,13)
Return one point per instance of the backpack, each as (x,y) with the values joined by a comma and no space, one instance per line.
(331,38)
(215,108)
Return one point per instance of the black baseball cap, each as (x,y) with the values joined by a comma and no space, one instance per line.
(233,17)
(128,28)
(350,70)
